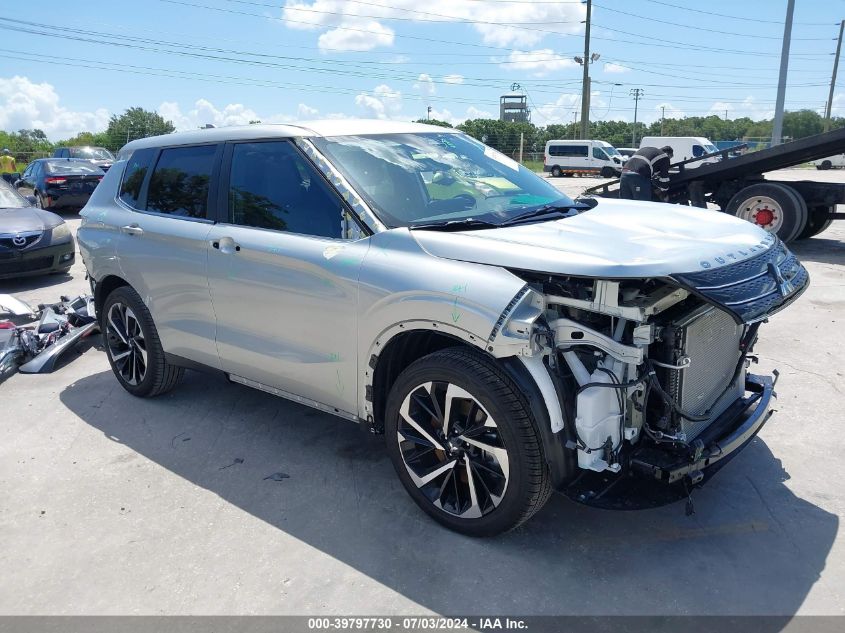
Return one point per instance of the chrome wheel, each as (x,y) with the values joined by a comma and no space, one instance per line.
(763,211)
(126,343)
(452,450)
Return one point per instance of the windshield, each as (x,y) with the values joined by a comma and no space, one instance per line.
(11,199)
(91,153)
(424,178)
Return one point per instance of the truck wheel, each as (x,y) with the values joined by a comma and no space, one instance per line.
(772,206)
(607,172)
(133,347)
(464,443)
(818,220)
(556,171)
(825,164)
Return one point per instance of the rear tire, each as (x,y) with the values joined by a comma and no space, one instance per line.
(818,220)
(133,346)
(464,444)
(774,207)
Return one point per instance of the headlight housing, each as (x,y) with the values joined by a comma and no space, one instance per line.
(60,233)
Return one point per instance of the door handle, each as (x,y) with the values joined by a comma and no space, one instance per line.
(132,229)
(226,245)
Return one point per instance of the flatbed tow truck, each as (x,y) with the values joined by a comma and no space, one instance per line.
(790,210)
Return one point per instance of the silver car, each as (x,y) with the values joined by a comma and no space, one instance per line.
(506,340)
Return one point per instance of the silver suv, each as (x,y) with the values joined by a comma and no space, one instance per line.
(507,340)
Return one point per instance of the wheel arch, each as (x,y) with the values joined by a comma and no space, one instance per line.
(104,287)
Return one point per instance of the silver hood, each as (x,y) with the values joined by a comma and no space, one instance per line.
(616,239)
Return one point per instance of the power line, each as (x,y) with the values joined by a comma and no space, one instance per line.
(733,17)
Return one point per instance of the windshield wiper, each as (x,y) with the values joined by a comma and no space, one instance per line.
(546,209)
(456,225)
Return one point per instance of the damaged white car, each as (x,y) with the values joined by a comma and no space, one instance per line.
(508,341)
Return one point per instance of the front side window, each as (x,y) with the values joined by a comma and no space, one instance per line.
(272,186)
(599,154)
(180,181)
(134,175)
(420,178)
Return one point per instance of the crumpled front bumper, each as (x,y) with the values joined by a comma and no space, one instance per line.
(657,476)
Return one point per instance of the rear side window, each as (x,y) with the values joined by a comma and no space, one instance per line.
(134,175)
(179,184)
(567,150)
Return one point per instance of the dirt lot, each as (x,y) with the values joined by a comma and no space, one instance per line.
(114,505)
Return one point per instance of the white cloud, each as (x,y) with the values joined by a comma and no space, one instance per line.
(671,112)
(25,105)
(425,84)
(306,112)
(541,61)
(502,21)
(205,112)
(616,68)
(561,110)
(384,103)
(475,113)
(453,79)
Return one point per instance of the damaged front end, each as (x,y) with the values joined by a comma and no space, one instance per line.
(652,373)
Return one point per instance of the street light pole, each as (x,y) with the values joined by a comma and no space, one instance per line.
(637,93)
(777,125)
(833,79)
(585,84)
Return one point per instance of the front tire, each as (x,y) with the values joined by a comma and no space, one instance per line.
(464,444)
(133,346)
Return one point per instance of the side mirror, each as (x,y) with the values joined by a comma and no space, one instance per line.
(32,200)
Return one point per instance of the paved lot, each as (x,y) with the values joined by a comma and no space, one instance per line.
(114,505)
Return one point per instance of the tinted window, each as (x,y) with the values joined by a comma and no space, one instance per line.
(272,186)
(70,167)
(567,150)
(599,153)
(134,175)
(179,184)
(697,151)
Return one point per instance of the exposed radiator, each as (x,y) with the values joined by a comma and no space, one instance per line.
(710,338)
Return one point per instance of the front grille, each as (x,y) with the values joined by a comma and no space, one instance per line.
(754,288)
(25,265)
(710,338)
(19,241)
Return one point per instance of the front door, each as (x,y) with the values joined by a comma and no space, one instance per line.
(283,279)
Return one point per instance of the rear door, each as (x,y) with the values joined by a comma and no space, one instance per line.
(283,271)
(164,218)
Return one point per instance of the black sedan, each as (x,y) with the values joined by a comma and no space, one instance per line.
(32,241)
(60,183)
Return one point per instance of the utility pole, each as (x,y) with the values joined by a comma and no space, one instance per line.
(428,113)
(777,125)
(637,93)
(662,118)
(585,85)
(833,79)
(575,126)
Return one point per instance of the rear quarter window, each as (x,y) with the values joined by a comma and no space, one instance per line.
(134,176)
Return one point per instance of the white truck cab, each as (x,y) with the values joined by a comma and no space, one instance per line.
(586,157)
(685,147)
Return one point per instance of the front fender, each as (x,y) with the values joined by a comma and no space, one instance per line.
(403,288)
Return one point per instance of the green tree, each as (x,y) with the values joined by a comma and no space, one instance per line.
(133,124)
(434,122)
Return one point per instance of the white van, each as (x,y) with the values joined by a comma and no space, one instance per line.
(597,158)
(830,162)
(685,147)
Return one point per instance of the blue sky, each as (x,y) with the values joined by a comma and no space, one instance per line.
(229,61)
